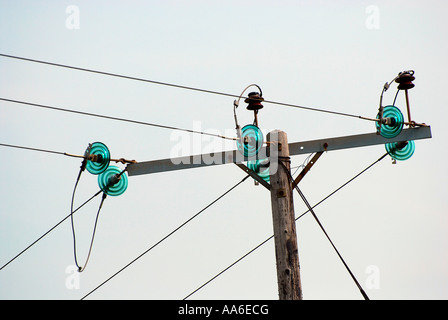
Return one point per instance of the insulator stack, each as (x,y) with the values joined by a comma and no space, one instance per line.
(405,79)
(254,100)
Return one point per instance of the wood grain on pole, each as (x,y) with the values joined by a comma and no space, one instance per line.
(286,252)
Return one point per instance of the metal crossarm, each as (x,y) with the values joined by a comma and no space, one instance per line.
(295,148)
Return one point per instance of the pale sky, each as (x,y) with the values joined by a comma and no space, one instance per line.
(389,223)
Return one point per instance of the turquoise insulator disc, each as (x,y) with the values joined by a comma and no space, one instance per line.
(111,182)
(391,130)
(400,154)
(100,149)
(251,140)
(258,168)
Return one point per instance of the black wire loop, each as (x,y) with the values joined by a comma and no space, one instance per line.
(82,268)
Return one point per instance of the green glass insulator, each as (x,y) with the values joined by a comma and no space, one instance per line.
(401,154)
(394,128)
(112,182)
(260,168)
(251,140)
(103,158)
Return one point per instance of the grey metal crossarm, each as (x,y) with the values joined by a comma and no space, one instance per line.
(295,148)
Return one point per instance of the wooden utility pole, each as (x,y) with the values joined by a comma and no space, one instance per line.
(286,252)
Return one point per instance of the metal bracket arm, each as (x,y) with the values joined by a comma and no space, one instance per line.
(306,169)
(254,175)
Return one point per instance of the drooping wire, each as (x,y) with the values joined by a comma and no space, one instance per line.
(109,184)
(236,104)
(166,237)
(51,229)
(396,95)
(37,105)
(272,236)
(310,208)
(303,165)
(81,170)
(81,269)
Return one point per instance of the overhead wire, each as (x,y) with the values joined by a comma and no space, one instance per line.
(122,160)
(180,86)
(165,237)
(32,149)
(296,219)
(118,75)
(91,114)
